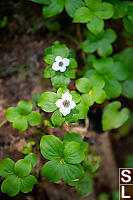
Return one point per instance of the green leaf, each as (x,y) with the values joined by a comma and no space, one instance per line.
(69,137)
(75,96)
(22,168)
(6,167)
(88,98)
(92,4)
(73,153)
(103,65)
(35,99)
(55,7)
(72,117)
(112,88)
(20,124)
(57,118)
(129,161)
(103,196)
(48,72)
(97,95)
(89,46)
(126,57)
(83,109)
(83,85)
(115,195)
(127,89)
(70,73)
(92,163)
(97,81)
(12,114)
(32,158)
(73,63)
(109,36)
(82,15)
(72,173)
(48,50)
(61,91)
(60,81)
(120,8)
(90,73)
(84,146)
(100,42)
(11,185)
(128,25)
(90,58)
(119,72)
(130,11)
(113,117)
(72,5)
(84,186)
(60,50)
(95,25)
(3,22)
(52,170)
(50,59)
(104,11)
(26,150)
(34,118)
(27,183)
(24,107)
(47,101)
(51,147)
(105,50)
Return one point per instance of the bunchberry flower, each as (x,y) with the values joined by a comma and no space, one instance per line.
(65,104)
(60,64)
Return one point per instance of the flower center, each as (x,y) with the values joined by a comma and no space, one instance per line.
(60,64)
(66,103)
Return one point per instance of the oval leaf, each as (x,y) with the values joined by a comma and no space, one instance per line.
(112,117)
(22,168)
(27,183)
(11,185)
(47,101)
(6,167)
(73,153)
(51,147)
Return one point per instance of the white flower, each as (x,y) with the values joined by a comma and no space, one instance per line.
(60,64)
(65,104)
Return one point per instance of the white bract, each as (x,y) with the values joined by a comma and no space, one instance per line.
(60,64)
(65,104)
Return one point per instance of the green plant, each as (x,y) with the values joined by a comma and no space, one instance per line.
(54,7)
(64,160)
(27,149)
(94,14)
(22,115)
(103,75)
(17,175)
(129,161)
(61,66)
(3,22)
(105,196)
(112,117)
(100,43)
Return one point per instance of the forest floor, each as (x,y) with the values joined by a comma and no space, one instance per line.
(21,75)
